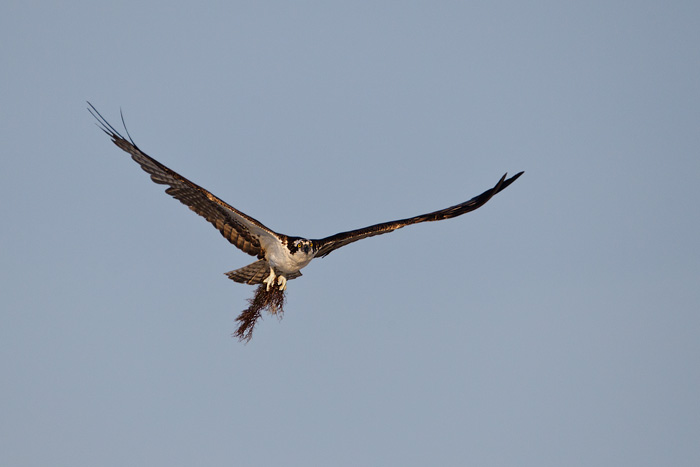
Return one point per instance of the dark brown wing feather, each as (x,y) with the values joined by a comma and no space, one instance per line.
(328,244)
(238,228)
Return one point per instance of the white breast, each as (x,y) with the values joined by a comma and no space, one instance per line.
(280,258)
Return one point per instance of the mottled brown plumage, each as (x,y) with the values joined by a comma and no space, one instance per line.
(235,229)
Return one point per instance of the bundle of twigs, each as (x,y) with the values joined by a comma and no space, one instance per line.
(271,300)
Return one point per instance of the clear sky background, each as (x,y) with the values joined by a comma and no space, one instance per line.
(559,325)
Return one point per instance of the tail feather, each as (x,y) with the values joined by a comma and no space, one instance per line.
(255,273)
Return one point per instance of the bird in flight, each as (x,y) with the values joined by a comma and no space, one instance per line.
(280,257)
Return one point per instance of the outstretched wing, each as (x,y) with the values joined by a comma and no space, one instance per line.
(238,228)
(328,244)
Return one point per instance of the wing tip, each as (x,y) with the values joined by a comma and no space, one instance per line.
(515,177)
(107,127)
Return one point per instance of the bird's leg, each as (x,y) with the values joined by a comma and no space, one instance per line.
(282,281)
(270,280)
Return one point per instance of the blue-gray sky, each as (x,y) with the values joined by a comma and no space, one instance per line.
(558,325)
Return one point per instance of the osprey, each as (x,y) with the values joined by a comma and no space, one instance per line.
(280,257)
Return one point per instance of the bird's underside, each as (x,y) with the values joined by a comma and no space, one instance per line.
(280,257)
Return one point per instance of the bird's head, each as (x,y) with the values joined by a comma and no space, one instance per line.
(301,245)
